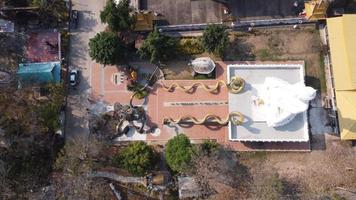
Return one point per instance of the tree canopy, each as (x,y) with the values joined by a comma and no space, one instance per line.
(56,9)
(158,47)
(118,16)
(106,48)
(178,152)
(215,38)
(137,158)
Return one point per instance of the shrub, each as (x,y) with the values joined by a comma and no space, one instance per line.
(178,152)
(138,158)
(137,88)
(209,146)
(141,94)
(215,38)
(190,46)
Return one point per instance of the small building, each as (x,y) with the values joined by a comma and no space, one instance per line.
(144,21)
(39,73)
(316,9)
(203,65)
(342,42)
(43,47)
(188,187)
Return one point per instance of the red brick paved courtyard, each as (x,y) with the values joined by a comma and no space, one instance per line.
(161,103)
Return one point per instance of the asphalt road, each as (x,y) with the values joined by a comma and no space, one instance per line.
(88,25)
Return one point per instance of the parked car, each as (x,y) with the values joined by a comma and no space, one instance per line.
(74,77)
(74,19)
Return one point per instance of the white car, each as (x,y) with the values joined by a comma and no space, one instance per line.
(74,77)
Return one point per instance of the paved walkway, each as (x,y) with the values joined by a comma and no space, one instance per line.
(88,25)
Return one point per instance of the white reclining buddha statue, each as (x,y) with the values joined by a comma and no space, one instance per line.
(282,101)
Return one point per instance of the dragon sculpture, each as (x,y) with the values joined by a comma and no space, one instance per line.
(235,86)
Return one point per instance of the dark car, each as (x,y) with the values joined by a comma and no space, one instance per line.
(74,19)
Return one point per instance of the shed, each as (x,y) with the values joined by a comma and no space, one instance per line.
(316,9)
(39,73)
(203,65)
(188,187)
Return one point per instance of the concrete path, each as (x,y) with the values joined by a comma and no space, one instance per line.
(118,178)
(88,25)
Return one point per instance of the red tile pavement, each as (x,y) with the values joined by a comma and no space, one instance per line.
(42,47)
(157,108)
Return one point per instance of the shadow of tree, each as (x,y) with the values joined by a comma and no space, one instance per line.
(313,82)
(239,50)
(87,21)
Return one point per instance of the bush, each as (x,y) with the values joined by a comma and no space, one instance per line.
(138,158)
(141,94)
(190,46)
(137,88)
(215,38)
(178,152)
(209,146)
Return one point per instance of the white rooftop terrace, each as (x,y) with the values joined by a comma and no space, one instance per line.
(255,129)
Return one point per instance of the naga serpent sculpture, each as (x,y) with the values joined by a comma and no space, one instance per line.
(235,86)
(236,118)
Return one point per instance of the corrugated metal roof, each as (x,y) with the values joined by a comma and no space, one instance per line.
(347,114)
(315,10)
(342,41)
(37,73)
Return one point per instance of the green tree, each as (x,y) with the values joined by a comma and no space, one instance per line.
(215,38)
(178,152)
(118,16)
(137,158)
(56,9)
(158,47)
(106,48)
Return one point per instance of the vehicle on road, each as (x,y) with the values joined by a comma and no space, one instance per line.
(74,77)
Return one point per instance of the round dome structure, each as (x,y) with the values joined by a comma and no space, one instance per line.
(203,65)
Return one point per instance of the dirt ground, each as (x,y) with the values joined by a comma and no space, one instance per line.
(178,70)
(310,175)
(12,50)
(273,44)
(281,44)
